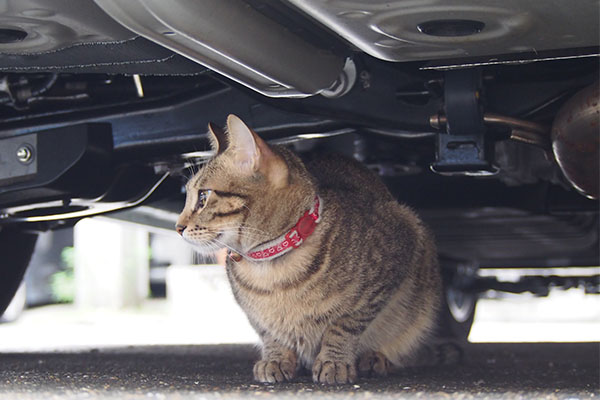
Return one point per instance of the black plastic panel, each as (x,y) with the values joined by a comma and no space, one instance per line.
(18,159)
(71,161)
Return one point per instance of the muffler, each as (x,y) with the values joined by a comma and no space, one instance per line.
(232,38)
(576,140)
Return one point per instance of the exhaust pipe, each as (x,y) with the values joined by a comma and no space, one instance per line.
(235,40)
(576,140)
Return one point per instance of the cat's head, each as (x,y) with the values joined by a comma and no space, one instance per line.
(247,194)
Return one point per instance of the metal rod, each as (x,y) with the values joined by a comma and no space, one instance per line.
(90,208)
(515,123)
(521,130)
(531,138)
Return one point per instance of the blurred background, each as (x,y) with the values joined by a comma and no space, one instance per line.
(109,283)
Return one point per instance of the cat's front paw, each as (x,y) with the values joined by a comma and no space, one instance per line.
(333,371)
(273,371)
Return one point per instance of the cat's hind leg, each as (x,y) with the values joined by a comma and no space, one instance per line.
(374,362)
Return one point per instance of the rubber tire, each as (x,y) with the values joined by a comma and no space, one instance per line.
(449,327)
(16,305)
(16,249)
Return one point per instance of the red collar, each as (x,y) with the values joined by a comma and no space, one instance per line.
(293,238)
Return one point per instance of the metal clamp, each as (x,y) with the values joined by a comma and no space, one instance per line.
(461,150)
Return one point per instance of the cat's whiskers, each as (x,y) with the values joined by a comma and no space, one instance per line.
(206,248)
(248,237)
(202,258)
(258,233)
(243,232)
(248,233)
(241,253)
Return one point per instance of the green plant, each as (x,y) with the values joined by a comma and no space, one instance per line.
(62,283)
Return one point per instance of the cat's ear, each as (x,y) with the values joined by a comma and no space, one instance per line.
(252,154)
(217,137)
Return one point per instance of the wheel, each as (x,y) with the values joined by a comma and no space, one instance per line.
(457,314)
(16,305)
(458,307)
(16,248)
(455,317)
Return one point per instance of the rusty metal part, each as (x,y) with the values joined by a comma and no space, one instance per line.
(515,123)
(521,130)
(576,140)
(530,138)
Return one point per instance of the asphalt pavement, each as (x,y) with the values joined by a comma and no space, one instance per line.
(488,371)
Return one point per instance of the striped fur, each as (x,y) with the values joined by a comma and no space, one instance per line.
(362,291)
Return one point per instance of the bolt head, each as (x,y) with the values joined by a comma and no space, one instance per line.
(25,154)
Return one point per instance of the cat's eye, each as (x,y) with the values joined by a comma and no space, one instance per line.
(202,198)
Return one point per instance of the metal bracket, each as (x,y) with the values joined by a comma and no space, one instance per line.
(18,157)
(461,150)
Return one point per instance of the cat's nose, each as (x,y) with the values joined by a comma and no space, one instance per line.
(180,228)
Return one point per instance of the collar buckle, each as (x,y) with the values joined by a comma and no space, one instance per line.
(294,238)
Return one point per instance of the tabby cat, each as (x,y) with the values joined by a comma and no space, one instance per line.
(332,272)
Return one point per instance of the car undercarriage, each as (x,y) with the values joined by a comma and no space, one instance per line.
(482,116)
